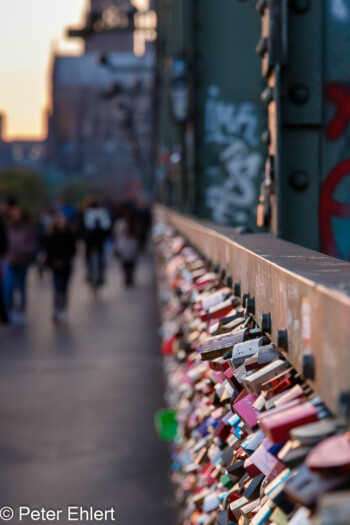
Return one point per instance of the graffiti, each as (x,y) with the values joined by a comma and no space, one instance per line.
(339,9)
(329,208)
(340,96)
(233,128)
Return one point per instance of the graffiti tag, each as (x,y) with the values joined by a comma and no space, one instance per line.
(233,128)
(339,95)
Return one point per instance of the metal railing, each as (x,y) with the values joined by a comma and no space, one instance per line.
(302,297)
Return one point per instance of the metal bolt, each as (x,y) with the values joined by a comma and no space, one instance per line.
(266,323)
(266,137)
(237,290)
(344,405)
(229,281)
(267,95)
(245,298)
(282,339)
(260,6)
(299,180)
(270,170)
(261,47)
(251,305)
(300,6)
(216,268)
(223,274)
(299,93)
(309,367)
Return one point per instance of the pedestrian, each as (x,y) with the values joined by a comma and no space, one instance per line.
(96,228)
(144,214)
(60,248)
(20,253)
(3,248)
(126,244)
(44,223)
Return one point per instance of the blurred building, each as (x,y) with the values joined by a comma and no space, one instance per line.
(29,154)
(100,124)
(109,10)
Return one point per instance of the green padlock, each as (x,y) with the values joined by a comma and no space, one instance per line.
(226,481)
(166,424)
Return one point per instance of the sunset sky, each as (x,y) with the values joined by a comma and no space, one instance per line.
(29,31)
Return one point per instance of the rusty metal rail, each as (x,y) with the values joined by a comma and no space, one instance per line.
(305,292)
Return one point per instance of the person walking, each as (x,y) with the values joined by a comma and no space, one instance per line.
(4,319)
(144,215)
(60,249)
(95,231)
(126,242)
(20,253)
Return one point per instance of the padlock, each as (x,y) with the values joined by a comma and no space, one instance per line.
(262,462)
(251,443)
(279,383)
(334,508)
(304,487)
(332,454)
(315,432)
(278,425)
(217,346)
(263,514)
(294,457)
(210,300)
(249,510)
(295,392)
(219,364)
(253,488)
(245,409)
(253,382)
(222,518)
(242,351)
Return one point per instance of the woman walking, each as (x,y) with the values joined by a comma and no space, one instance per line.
(20,253)
(60,250)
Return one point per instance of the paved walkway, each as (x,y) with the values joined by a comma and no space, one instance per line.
(77,405)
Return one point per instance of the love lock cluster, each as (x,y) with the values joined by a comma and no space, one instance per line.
(254,443)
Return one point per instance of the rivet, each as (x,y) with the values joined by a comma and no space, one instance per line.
(267,95)
(237,290)
(300,6)
(260,6)
(266,323)
(245,298)
(251,305)
(299,93)
(299,180)
(266,137)
(282,339)
(261,47)
(309,367)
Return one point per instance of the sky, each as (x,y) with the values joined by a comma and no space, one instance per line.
(30,30)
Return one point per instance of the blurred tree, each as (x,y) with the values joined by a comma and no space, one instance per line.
(75,191)
(28,187)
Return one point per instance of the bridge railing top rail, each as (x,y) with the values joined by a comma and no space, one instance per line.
(306,293)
